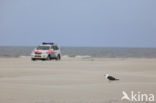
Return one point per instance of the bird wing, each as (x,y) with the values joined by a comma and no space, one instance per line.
(111,78)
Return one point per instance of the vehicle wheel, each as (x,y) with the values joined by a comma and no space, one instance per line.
(49,58)
(58,57)
(33,59)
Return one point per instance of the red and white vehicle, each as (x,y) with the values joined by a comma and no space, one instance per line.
(46,51)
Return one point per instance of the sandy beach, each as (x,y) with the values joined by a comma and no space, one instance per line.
(74,80)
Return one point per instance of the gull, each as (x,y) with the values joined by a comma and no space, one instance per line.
(110,78)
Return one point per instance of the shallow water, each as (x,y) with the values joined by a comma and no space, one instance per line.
(17,51)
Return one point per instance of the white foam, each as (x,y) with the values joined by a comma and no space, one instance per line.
(76,57)
(66,57)
(24,56)
(82,56)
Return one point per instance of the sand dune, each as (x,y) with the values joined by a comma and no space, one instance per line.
(74,80)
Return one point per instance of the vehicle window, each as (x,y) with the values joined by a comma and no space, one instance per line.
(43,48)
(55,47)
(52,47)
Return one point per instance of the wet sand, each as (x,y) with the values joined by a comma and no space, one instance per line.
(74,80)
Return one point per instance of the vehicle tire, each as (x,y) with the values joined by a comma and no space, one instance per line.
(48,58)
(58,57)
(33,59)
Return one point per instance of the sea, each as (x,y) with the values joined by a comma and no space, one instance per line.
(90,52)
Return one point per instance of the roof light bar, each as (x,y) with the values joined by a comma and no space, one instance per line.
(49,43)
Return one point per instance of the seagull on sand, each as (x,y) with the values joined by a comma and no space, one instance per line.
(110,78)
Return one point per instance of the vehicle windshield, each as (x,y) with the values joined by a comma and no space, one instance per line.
(43,48)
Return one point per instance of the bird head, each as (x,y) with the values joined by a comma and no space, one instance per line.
(106,75)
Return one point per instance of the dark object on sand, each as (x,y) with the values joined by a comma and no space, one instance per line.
(110,78)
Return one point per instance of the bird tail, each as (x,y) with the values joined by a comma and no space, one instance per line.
(116,79)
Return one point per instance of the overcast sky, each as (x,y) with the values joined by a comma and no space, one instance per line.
(106,23)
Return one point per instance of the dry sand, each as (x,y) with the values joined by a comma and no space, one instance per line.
(74,80)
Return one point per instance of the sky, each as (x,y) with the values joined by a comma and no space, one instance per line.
(93,23)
